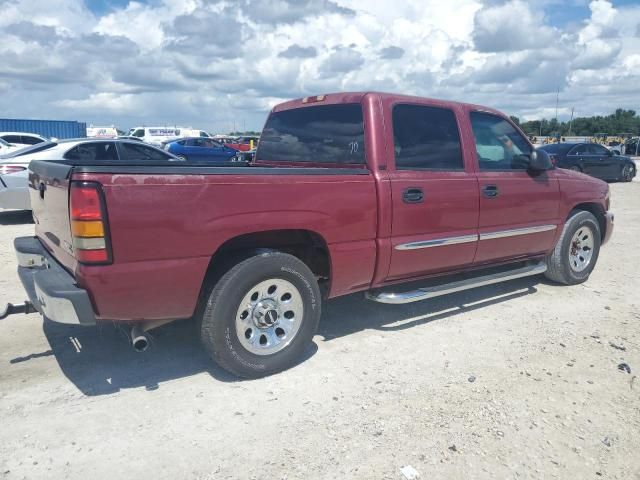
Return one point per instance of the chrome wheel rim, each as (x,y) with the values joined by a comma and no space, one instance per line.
(581,249)
(627,172)
(269,316)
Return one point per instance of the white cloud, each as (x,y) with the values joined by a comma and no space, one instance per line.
(208,63)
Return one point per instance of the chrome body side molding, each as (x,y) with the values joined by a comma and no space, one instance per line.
(438,242)
(516,231)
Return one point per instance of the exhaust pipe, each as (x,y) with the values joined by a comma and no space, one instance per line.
(139,339)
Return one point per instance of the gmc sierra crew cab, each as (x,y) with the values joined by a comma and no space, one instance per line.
(348,192)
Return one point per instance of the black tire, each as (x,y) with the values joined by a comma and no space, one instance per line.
(559,263)
(627,174)
(218,322)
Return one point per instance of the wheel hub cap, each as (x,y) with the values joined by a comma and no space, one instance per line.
(269,316)
(265,313)
(581,250)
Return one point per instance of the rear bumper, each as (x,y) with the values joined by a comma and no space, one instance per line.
(609,217)
(51,289)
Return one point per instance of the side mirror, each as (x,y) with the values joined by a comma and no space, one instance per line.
(540,161)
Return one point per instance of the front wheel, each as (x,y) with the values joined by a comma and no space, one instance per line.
(576,253)
(261,315)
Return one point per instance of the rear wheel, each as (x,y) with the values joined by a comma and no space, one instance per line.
(576,253)
(261,315)
(627,173)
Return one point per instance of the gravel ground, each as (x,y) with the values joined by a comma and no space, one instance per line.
(517,380)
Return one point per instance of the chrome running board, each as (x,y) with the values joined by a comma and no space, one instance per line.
(446,288)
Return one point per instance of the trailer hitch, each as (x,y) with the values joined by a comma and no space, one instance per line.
(11,309)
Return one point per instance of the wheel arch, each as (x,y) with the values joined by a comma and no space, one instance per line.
(596,210)
(306,245)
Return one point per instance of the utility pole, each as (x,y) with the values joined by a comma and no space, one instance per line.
(557,99)
(570,122)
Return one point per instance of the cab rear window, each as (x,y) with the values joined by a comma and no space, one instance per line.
(332,134)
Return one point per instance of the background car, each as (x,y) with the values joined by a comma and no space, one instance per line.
(632,146)
(14,173)
(22,139)
(201,149)
(592,159)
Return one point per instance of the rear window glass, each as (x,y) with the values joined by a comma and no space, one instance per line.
(39,147)
(89,152)
(320,134)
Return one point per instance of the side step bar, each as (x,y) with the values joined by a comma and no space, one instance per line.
(446,288)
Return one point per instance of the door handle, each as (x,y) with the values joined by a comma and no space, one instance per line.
(413,195)
(490,191)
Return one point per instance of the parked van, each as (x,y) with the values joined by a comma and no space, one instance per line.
(159,135)
(102,132)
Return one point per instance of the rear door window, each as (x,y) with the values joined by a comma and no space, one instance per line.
(580,150)
(135,152)
(88,152)
(331,134)
(426,138)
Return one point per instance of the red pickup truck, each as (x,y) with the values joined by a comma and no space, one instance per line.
(348,192)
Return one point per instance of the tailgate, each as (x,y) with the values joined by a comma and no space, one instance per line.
(49,192)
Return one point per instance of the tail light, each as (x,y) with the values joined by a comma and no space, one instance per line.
(6,169)
(89,226)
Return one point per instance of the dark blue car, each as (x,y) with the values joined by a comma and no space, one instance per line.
(592,159)
(201,149)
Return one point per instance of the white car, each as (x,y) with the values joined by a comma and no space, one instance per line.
(14,167)
(22,139)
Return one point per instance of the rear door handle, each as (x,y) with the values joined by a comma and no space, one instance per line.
(490,191)
(413,195)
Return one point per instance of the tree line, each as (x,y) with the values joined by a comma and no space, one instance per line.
(622,121)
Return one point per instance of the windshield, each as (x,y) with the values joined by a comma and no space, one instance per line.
(38,147)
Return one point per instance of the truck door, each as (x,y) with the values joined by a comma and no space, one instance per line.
(602,163)
(434,194)
(518,208)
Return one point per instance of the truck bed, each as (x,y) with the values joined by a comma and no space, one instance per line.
(167,221)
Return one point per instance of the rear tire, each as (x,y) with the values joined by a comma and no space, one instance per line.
(576,253)
(627,173)
(261,315)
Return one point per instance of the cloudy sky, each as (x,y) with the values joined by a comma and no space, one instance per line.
(206,63)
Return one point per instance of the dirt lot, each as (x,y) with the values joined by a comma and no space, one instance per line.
(515,381)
